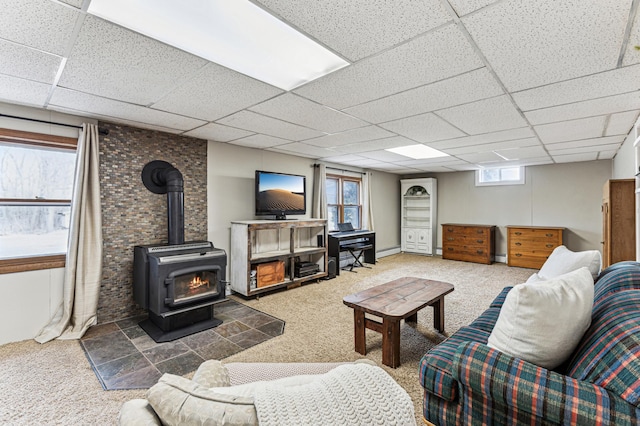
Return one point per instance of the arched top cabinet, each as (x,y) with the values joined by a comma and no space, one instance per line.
(418,212)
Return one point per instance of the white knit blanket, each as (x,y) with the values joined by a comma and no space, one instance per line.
(350,394)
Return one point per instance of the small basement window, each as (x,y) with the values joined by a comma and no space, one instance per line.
(500,176)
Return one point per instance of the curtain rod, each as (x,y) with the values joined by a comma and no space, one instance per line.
(101,130)
(340,170)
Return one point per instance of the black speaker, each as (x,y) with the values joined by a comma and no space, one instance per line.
(331,268)
(320,240)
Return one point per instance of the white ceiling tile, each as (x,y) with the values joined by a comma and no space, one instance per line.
(218,133)
(522,153)
(446,51)
(504,135)
(435,169)
(299,148)
(463,167)
(260,141)
(631,54)
(489,115)
(258,123)
(527,46)
(343,159)
(571,158)
(572,130)
(365,162)
(385,156)
(359,28)
(481,157)
(464,7)
(43,25)
(468,87)
(470,149)
(113,109)
(607,154)
(26,92)
(581,150)
(591,108)
(113,62)
(392,168)
(586,142)
(215,92)
(117,120)
(30,64)
(424,128)
(618,81)
(298,110)
(74,3)
(427,161)
(375,145)
(361,134)
(621,123)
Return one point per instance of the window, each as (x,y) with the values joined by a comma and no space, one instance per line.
(500,176)
(36,183)
(344,201)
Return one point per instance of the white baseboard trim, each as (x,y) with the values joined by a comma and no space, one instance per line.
(387,252)
(498,258)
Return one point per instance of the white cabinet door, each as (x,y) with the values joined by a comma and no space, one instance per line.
(424,241)
(409,239)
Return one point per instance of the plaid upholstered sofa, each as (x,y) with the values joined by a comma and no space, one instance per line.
(467,382)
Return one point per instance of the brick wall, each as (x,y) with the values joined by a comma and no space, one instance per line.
(133,215)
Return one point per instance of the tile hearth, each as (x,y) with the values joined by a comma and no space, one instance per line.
(123,356)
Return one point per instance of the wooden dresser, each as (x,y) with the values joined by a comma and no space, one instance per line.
(530,246)
(471,243)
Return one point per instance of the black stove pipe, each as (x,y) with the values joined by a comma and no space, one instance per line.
(175,206)
(161,177)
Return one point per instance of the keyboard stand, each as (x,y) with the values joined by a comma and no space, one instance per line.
(356,251)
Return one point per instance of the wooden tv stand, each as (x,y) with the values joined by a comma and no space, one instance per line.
(264,253)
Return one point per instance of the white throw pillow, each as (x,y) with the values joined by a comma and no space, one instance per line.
(543,322)
(562,260)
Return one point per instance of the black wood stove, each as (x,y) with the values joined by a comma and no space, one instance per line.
(178,283)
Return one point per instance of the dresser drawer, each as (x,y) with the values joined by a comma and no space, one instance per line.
(470,243)
(270,273)
(529,247)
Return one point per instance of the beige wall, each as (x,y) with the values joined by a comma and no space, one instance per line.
(231,173)
(624,163)
(566,195)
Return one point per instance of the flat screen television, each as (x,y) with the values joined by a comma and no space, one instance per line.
(280,194)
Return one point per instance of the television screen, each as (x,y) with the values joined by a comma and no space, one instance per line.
(280,194)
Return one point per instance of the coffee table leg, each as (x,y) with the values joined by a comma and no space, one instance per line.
(412,318)
(391,342)
(438,314)
(360,336)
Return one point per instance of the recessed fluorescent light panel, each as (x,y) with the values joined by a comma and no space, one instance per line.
(236,34)
(418,152)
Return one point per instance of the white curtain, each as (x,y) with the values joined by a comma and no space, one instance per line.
(319,202)
(367,214)
(83,269)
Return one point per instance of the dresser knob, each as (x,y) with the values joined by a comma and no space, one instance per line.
(450,248)
(549,245)
(549,235)
(518,233)
(518,254)
(450,239)
(480,231)
(479,251)
(518,244)
(479,241)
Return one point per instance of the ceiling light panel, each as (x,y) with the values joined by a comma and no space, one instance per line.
(236,34)
(418,152)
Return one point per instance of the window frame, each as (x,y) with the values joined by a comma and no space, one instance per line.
(520,181)
(38,262)
(341,179)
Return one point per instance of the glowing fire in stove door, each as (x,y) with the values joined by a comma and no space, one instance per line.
(195,284)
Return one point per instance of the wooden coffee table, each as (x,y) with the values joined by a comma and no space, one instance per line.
(394,301)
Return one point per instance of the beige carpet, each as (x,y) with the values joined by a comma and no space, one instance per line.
(54,384)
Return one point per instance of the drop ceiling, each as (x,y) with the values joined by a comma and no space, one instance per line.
(491,83)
